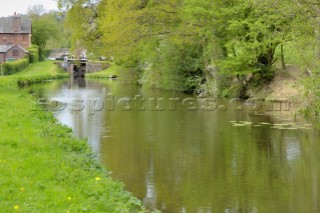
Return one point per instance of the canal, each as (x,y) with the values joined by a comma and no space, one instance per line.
(179,153)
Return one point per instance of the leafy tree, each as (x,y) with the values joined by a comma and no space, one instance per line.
(173,41)
(254,30)
(44,28)
(81,22)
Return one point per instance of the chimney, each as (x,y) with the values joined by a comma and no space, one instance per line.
(16,23)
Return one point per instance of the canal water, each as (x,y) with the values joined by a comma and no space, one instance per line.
(180,153)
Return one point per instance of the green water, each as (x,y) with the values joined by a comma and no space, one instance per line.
(177,158)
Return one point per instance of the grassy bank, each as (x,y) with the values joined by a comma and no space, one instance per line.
(39,69)
(114,70)
(39,72)
(43,168)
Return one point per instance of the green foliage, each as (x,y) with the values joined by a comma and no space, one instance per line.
(8,82)
(34,54)
(25,81)
(9,68)
(174,66)
(253,30)
(311,99)
(45,28)
(171,42)
(80,24)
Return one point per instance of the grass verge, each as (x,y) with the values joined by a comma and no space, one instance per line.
(39,69)
(43,167)
(39,72)
(114,70)
(118,72)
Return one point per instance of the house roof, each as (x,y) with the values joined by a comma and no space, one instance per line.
(7,24)
(6,48)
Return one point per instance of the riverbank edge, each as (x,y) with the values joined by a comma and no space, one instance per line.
(112,72)
(44,167)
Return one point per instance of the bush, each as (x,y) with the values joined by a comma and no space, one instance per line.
(34,54)
(9,68)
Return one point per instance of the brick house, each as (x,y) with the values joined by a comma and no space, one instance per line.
(15,36)
(11,52)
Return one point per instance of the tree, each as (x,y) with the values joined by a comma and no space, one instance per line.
(44,27)
(36,10)
(172,41)
(81,21)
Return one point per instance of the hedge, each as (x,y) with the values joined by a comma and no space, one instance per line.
(34,54)
(25,81)
(9,68)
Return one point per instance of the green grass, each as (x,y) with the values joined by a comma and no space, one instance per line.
(122,73)
(114,70)
(40,68)
(43,167)
(39,72)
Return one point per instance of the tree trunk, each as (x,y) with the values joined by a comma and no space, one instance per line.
(282,58)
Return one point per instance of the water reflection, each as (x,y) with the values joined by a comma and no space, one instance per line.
(151,197)
(195,161)
(292,147)
(75,99)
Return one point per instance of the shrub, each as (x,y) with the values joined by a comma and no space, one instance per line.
(34,54)
(9,68)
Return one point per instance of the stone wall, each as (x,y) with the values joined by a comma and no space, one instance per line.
(89,68)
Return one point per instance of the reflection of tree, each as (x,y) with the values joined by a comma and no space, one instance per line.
(151,196)
(197,162)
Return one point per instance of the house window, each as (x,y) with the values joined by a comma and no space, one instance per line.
(15,53)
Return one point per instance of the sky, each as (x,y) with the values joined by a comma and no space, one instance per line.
(21,6)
